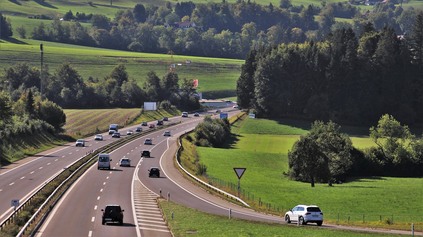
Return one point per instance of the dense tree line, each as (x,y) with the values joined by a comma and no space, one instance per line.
(346,78)
(68,89)
(221,29)
(326,155)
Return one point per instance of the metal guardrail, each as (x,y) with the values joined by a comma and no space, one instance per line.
(201,181)
(107,148)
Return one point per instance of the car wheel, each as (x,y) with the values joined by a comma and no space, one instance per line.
(319,223)
(120,222)
(103,222)
(301,221)
(287,219)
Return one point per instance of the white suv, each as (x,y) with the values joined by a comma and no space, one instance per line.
(304,214)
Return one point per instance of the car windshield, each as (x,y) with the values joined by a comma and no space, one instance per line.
(112,208)
(103,159)
(313,209)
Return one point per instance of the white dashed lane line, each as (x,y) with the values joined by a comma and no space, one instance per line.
(40,168)
(93,219)
(32,172)
(11,184)
(48,163)
(23,177)
(98,198)
(95,207)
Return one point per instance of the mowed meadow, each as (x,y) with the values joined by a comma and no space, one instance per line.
(261,146)
(217,76)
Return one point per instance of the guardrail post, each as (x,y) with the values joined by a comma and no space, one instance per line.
(168,196)
(160,192)
(230,213)
(412,229)
(172,215)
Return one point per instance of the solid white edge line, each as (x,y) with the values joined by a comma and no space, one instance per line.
(134,177)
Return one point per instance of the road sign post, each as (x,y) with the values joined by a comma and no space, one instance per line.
(15,203)
(239,172)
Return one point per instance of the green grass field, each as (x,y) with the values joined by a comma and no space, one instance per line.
(217,76)
(361,201)
(190,222)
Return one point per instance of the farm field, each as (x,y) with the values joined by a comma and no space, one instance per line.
(190,222)
(85,122)
(370,201)
(217,76)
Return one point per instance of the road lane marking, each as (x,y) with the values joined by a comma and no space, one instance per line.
(11,184)
(23,177)
(93,219)
(32,172)
(98,198)
(107,177)
(70,153)
(104,183)
(48,163)
(101,190)
(95,207)
(56,159)
(90,233)
(40,168)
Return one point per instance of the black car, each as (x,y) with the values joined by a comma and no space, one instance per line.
(112,213)
(165,119)
(159,122)
(154,172)
(144,124)
(138,129)
(145,153)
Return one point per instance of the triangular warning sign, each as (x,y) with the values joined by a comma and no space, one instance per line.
(239,172)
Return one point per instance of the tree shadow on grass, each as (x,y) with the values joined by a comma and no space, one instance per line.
(231,141)
(15,2)
(14,41)
(45,4)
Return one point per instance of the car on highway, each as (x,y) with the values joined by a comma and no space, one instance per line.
(303,214)
(235,107)
(151,125)
(138,129)
(148,141)
(103,161)
(116,135)
(144,124)
(154,172)
(196,114)
(112,213)
(145,153)
(125,161)
(159,122)
(184,114)
(98,137)
(167,134)
(218,111)
(80,142)
(129,132)
(165,119)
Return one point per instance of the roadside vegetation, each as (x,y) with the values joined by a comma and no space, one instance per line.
(377,201)
(185,221)
(86,122)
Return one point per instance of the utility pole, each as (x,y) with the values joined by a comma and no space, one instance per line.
(41,72)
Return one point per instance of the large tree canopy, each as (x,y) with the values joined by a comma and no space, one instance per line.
(323,155)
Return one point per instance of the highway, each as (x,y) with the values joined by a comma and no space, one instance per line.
(19,180)
(79,211)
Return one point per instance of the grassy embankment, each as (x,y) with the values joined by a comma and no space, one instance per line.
(262,147)
(190,222)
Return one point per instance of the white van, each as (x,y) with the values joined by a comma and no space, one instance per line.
(103,161)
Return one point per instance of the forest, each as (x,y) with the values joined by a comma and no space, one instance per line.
(348,79)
